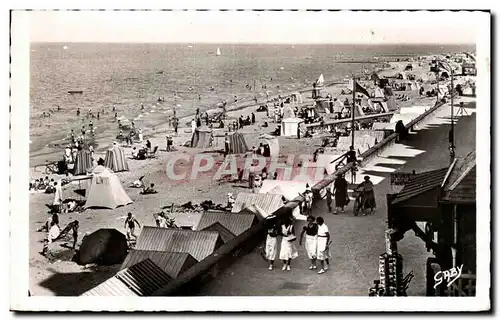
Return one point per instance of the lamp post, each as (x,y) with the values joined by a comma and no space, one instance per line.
(452,130)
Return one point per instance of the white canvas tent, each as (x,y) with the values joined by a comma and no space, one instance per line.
(297,98)
(288,112)
(379,93)
(272,142)
(106,190)
(290,126)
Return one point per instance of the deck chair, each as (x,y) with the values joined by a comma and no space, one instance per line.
(153,153)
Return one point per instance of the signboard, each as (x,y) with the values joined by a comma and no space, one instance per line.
(401,178)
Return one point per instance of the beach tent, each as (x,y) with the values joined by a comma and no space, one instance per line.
(378,105)
(202,138)
(83,162)
(116,160)
(288,112)
(323,106)
(412,85)
(358,111)
(379,126)
(106,190)
(290,126)
(320,81)
(379,93)
(297,97)
(391,103)
(237,143)
(273,144)
(362,142)
(267,202)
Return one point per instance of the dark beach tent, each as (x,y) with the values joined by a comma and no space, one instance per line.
(202,138)
(104,247)
(237,143)
(83,162)
(116,160)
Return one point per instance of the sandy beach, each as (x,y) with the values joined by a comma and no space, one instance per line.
(67,278)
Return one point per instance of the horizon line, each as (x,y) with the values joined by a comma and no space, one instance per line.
(262,43)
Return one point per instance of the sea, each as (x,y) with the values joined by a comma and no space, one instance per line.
(188,76)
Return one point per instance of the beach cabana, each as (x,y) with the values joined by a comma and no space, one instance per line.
(83,162)
(171,263)
(272,143)
(235,223)
(297,98)
(105,190)
(267,202)
(290,126)
(141,279)
(202,138)
(116,160)
(199,244)
(237,143)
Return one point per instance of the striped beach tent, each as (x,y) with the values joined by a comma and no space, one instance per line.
(116,160)
(237,143)
(202,138)
(83,162)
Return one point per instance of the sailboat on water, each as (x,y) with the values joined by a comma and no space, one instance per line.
(218,52)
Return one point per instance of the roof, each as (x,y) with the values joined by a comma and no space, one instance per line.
(199,244)
(421,183)
(172,263)
(267,202)
(460,185)
(141,279)
(255,210)
(235,223)
(224,233)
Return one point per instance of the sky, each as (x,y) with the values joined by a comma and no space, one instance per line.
(251,27)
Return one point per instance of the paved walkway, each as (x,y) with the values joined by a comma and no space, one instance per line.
(357,241)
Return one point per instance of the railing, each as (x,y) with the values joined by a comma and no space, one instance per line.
(189,282)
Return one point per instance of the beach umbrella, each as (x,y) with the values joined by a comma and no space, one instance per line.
(104,247)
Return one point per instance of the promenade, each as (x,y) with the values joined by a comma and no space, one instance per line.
(358,241)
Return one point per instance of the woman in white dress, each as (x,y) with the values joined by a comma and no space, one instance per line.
(323,244)
(271,240)
(311,245)
(288,250)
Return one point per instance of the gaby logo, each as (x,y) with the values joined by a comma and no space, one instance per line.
(450,276)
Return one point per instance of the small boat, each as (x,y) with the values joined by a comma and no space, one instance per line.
(72,92)
(218,52)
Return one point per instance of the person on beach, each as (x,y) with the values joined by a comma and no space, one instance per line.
(135,152)
(130,223)
(176,125)
(140,135)
(75,233)
(368,195)
(226,145)
(323,244)
(340,192)
(329,198)
(58,197)
(311,245)
(288,251)
(193,125)
(169,143)
(78,112)
(148,145)
(271,240)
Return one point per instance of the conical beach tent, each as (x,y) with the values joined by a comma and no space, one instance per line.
(106,190)
(202,138)
(83,162)
(237,143)
(116,160)
(288,112)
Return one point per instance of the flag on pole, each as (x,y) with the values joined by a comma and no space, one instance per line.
(359,89)
(320,80)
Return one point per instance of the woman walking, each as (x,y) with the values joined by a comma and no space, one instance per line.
(340,191)
(323,240)
(311,245)
(271,240)
(369,195)
(288,251)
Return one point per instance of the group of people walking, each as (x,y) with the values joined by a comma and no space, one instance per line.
(316,242)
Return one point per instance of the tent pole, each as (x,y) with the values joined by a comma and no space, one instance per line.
(353,106)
